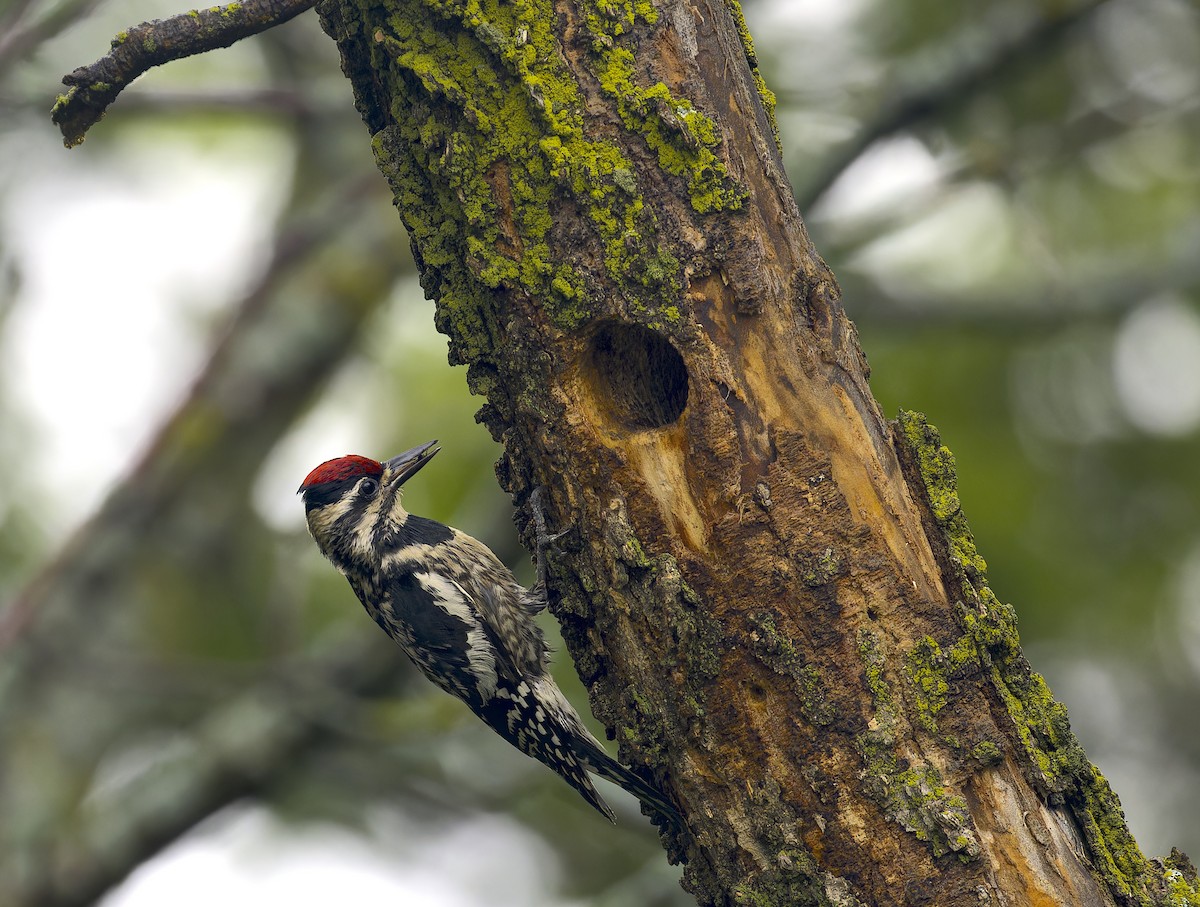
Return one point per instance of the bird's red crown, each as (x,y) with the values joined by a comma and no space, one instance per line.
(343,468)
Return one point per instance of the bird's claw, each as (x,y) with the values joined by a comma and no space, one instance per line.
(544,539)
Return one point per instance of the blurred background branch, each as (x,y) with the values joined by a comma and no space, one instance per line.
(260,741)
(975,62)
(21,34)
(246,397)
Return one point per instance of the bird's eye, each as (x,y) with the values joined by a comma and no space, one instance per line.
(368,486)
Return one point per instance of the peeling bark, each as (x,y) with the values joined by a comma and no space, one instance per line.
(770,592)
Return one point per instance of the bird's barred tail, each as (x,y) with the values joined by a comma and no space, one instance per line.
(538,721)
(530,717)
(606,766)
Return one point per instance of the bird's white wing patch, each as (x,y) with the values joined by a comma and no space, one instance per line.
(453,599)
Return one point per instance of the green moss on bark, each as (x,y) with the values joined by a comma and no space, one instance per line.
(1056,762)
(765,94)
(487,139)
(910,794)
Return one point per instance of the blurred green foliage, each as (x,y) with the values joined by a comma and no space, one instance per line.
(1019,249)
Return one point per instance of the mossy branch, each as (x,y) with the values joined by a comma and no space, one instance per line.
(90,89)
(1054,760)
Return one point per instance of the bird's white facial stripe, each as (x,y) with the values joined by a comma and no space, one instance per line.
(364,532)
(349,527)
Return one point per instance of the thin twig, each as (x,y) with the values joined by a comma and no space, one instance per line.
(92,88)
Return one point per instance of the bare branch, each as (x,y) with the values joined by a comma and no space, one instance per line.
(92,88)
(246,399)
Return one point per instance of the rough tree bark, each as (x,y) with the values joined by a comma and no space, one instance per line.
(770,592)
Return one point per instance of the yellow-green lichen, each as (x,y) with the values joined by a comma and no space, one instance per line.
(648,732)
(779,653)
(788,873)
(488,134)
(936,464)
(634,554)
(698,637)
(914,797)
(986,753)
(871,650)
(819,569)
(925,668)
(1181,888)
(990,635)
(911,795)
(767,96)
(784,886)
(684,139)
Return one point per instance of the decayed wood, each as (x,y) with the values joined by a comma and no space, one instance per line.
(768,590)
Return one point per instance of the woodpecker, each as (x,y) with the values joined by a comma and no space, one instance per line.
(458,613)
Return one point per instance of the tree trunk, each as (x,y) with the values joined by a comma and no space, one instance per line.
(769,591)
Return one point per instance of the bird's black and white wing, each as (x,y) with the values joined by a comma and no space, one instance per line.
(506,608)
(436,623)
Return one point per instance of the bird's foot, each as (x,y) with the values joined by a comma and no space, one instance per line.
(542,536)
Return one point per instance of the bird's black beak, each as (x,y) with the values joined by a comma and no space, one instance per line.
(409,463)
